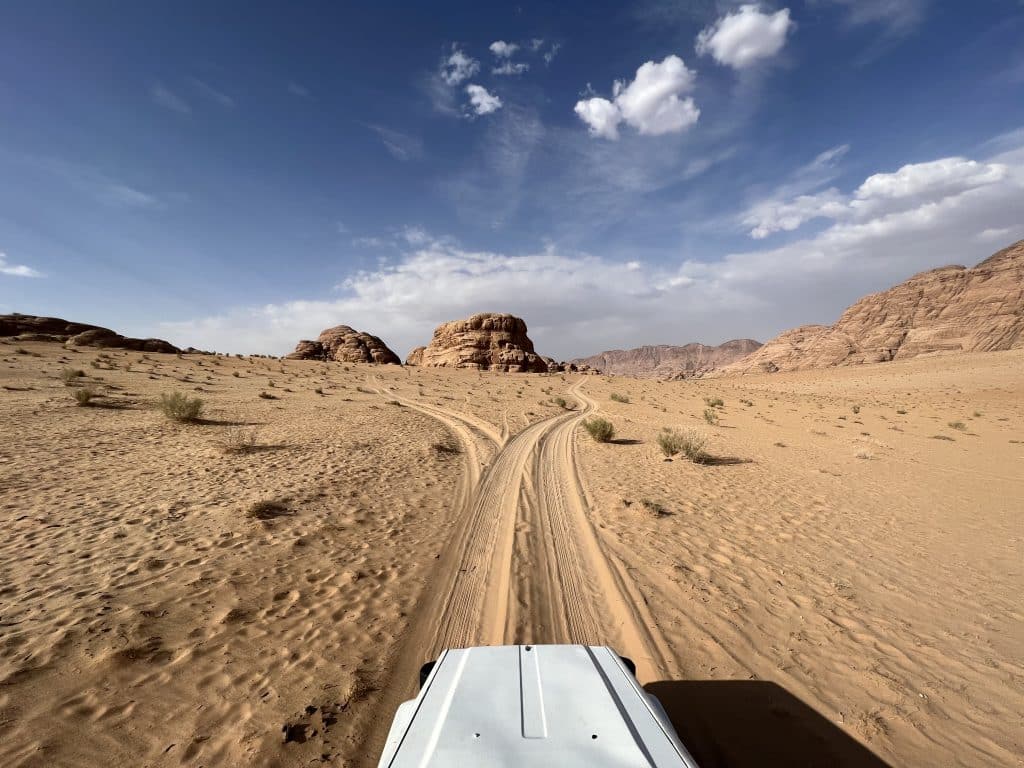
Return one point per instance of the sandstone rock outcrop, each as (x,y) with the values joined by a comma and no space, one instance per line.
(33,328)
(945,310)
(666,361)
(344,345)
(486,341)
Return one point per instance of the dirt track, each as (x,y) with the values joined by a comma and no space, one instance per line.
(524,564)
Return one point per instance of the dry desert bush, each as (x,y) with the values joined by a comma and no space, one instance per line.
(619,398)
(178,406)
(600,429)
(84,395)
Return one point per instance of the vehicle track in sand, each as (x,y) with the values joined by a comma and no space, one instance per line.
(524,563)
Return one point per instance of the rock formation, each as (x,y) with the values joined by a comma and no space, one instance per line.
(665,361)
(486,341)
(344,345)
(945,310)
(33,328)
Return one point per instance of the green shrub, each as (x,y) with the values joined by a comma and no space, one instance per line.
(559,401)
(600,429)
(692,444)
(619,398)
(178,406)
(714,402)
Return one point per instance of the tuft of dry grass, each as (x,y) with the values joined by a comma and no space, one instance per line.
(84,395)
(957,425)
(710,416)
(237,440)
(70,376)
(714,402)
(178,406)
(655,508)
(619,398)
(268,510)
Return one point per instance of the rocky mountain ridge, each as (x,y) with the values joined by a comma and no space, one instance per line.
(667,361)
(941,311)
(35,328)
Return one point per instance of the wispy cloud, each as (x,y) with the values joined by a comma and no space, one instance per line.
(16,270)
(400,145)
(296,89)
(213,94)
(164,97)
(895,17)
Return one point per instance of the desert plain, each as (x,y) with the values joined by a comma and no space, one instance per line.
(839,583)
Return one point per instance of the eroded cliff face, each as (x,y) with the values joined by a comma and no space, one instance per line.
(345,345)
(486,341)
(945,310)
(34,328)
(666,361)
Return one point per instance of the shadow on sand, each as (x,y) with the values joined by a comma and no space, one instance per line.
(724,461)
(625,441)
(746,723)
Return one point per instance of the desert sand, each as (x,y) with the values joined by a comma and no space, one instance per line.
(839,584)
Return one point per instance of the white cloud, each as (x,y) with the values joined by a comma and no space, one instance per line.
(458,67)
(511,68)
(913,187)
(536,44)
(167,99)
(601,116)
(746,36)
(503,50)
(651,103)
(481,100)
(996,234)
(16,270)
(296,89)
(550,53)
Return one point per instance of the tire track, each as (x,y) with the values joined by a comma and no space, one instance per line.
(524,563)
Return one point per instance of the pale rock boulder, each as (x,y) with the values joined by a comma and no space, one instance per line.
(343,344)
(485,341)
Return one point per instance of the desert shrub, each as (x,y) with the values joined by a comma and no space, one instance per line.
(958,425)
(942,437)
(655,508)
(71,376)
(559,401)
(319,390)
(236,374)
(710,416)
(747,403)
(863,453)
(393,402)
(714,402)
(692,445)
(619,398)
(84,395)
(977,414)
(268,510)
(267,396)
(855,409)
(670,441)
(901,411)
(445,448)
(600,429)
(178,406)
(239,440)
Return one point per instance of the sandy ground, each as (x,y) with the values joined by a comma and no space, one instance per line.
(835,587)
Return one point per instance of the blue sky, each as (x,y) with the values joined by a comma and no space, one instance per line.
(239,175)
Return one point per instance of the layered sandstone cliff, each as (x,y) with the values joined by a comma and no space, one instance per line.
(945,310)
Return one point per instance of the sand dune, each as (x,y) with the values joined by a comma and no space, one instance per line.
(154,614)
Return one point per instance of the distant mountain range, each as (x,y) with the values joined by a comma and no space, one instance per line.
(666,361)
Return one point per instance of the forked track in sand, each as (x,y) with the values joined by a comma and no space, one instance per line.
(524,563)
